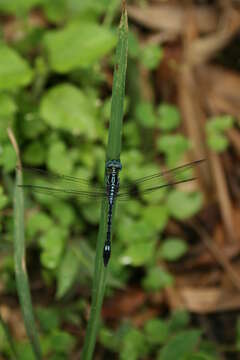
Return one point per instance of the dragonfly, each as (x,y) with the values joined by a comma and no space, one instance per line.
(111,191)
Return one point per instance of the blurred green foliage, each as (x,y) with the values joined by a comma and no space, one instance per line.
(170,338)
(216,129)
(55,94)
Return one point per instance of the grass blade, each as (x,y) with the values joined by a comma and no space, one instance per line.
(9,338)
(23,288)
(113,152)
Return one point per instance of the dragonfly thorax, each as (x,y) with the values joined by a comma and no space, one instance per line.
(112,185)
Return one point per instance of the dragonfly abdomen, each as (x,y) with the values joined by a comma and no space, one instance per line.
(113,167)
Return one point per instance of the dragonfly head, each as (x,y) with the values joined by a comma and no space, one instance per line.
(114,164)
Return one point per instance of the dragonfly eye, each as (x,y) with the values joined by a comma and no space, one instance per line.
(114,164)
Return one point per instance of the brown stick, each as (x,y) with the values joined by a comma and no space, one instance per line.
(218,254)
(15,146)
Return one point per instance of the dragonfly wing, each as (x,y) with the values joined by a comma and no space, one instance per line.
(179,173)
(40,181)
(47,190)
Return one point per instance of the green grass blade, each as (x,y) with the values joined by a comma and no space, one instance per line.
(118,92)
(20,268)
(9,339)
(113,152)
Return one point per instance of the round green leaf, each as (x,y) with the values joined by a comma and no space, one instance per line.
(183,205)
(48,318)
(169,117)
(151,55)
(181,345)
(179,320)
(35,154)
(78,45)
(173,144)
(220,123)
(156,216)
(67,272)
(217,142)
(18,7)
(134,345)
(156,331)
(58,159)
(14,71)
(8,157)
(67,108)
(157,279)
(52,244)
(139,254)
(38,222)
(145,114)
(8,106)
(172,249)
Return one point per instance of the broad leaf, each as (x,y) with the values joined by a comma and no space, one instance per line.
(78,45)
(14,71)
(67,108)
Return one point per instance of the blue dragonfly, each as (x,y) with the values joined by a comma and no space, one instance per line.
(65,185)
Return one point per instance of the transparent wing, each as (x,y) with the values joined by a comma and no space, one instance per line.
(44,182)
(160,180)
(178,171)
(134,192)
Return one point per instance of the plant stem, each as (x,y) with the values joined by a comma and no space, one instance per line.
(113,152)
(9,338)
(23,288)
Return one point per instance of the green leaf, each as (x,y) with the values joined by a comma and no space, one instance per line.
(183,205)
(48,318)
(63,212)
(92,212)
(8,158)
(113,152)
(220,123)
(181,345)
(169,117)
(109,339)
(145,114)
(18,7)
(208,350)
(52,244)
(67,108)
(35,153)
(3,199)
(14,71)
(217,142)
(67,272)
(157,279)
(58,159)
(56,10)
(134,345)
(172,249)
(179,320)
(156,331)
(22,282)
(156,216)
(238,334)
(61,342)
(139,253)
(8,106)
(78,45)
(151,55)
(173,144)
(38,222)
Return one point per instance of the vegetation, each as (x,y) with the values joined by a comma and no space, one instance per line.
(56,78)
